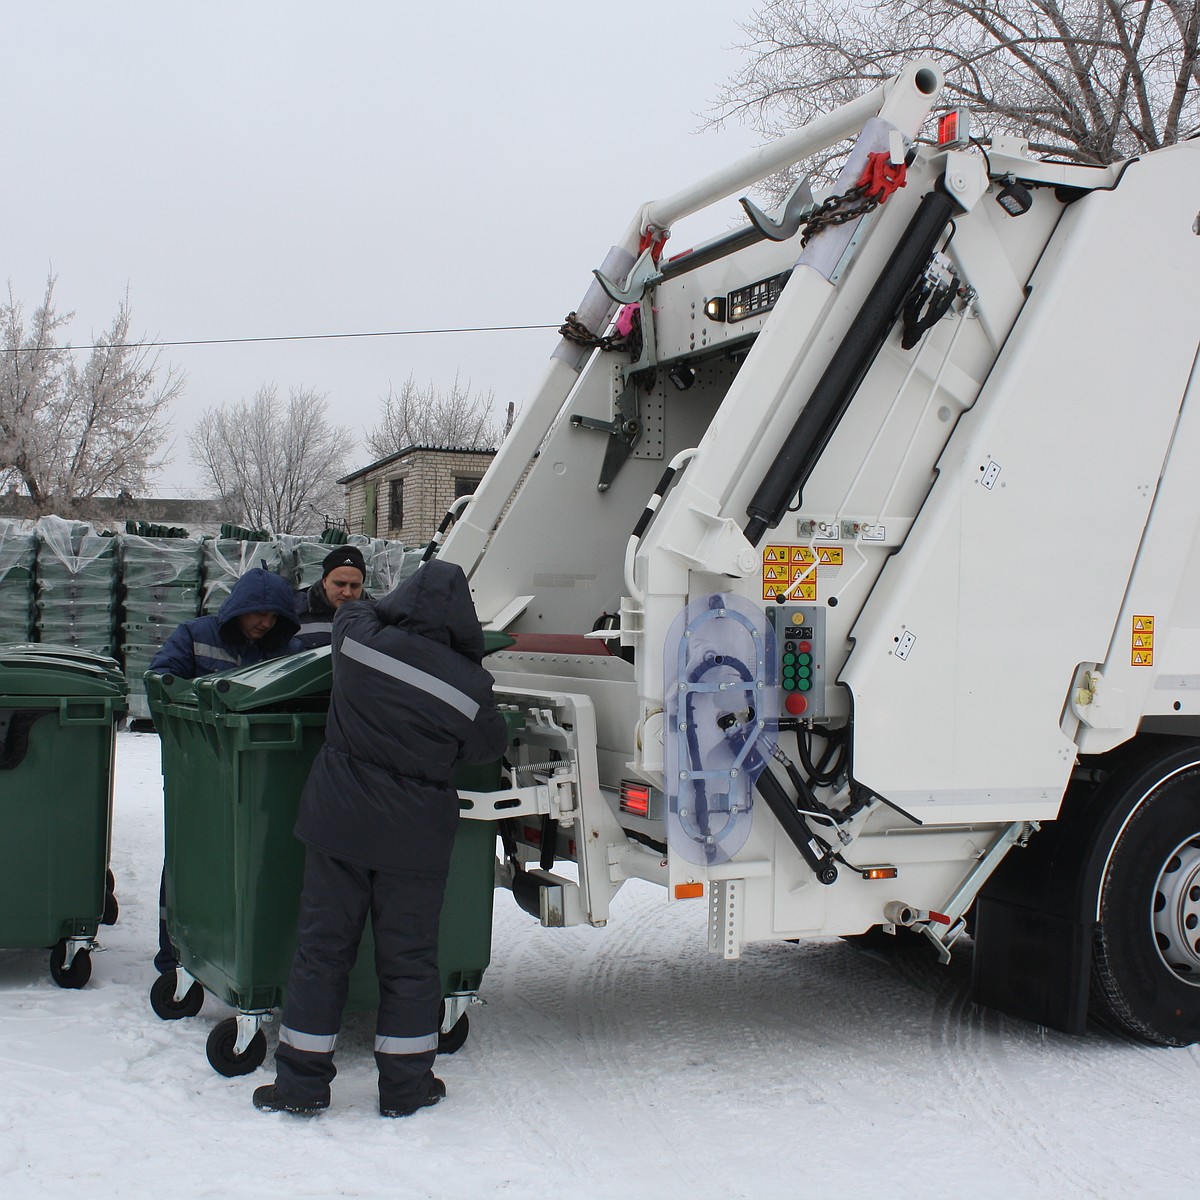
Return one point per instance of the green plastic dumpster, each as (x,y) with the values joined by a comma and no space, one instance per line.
(59,709)
(236,753)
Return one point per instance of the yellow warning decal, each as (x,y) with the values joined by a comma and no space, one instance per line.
(776,571)
(804,571)
(773,588)
(804,591)
(803,554)
(830,556)
(1141,651)
(775,554)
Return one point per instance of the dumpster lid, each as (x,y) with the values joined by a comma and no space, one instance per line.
(268,684)
(43,669)
(283,680)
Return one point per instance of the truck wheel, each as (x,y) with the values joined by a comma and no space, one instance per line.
(1146,949)
(74,976)
(220,1045)
(162,999)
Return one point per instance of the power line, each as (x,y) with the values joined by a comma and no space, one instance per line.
(294,337)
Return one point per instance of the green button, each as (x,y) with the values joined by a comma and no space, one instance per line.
(804,685)
(804,672)
(788,659)
(789,685)
(788,672)
(805,659)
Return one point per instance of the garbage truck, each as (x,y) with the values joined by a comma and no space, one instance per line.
(852,558)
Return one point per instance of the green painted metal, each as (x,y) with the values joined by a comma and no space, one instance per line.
(58,714)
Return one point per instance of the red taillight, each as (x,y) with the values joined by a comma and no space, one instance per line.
(635,798)
(953,128)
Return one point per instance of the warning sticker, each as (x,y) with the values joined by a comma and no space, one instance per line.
(830,556)
(776,571)
(1141,650)
(773,588)
(775,554)
(803,554)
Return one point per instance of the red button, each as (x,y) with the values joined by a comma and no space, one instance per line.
(806,647)
(795,704)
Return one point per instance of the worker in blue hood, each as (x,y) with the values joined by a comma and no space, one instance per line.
(378,817)
(256,622)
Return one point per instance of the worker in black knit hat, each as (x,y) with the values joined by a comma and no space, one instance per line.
(343,573)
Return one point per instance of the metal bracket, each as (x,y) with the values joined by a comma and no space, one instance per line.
(795,208)
(641,276)
(624,430)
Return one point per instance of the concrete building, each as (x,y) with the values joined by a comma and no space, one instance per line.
(403,497)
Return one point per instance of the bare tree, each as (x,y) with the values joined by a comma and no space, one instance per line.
(417,416)
(274,466)
(68,432)
(1091,81)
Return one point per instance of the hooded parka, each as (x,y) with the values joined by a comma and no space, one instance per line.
(378,815)
(410,700)
(215,643)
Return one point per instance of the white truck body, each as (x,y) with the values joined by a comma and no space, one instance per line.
(993,551)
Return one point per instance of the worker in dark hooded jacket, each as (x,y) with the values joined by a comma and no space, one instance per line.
(256,622)
(378,817)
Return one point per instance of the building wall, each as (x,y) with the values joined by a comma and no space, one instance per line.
(429,478)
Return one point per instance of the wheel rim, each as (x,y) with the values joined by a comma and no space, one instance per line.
(1176,912)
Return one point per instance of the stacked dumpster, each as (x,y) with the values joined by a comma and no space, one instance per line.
(18,612)
(76,583)
(226,560)
(161,587)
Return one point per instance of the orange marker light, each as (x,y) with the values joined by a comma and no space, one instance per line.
(688,891)
(879,872)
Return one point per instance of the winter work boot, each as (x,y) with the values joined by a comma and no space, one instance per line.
(437,1091)
(268,1099)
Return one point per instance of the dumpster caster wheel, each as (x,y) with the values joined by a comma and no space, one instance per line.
(162,999)
(111,908)
(220,1050)
(74,976)
(454,1038)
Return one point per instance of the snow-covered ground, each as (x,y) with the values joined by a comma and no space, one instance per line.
(618,1062)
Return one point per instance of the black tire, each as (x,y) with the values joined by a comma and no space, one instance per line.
(220,1050)
(1146,948)
(455,1037)
(77,974)
(162,999)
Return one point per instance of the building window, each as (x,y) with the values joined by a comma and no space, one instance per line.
(396,504)
(465,485)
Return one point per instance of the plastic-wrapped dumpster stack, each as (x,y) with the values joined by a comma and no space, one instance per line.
(18,550)
(76,578)
(160,579)
(388,563)
(227,560)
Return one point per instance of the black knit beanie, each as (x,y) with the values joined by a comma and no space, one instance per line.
(344,556)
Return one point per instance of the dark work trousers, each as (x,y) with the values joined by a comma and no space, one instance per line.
(405,909)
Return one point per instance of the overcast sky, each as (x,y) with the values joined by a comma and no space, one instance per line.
(281,167)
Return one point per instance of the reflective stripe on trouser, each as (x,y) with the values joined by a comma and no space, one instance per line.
(404,912)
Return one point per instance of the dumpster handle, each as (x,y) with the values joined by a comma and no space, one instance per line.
(15,731)
(88,707)
(246,742)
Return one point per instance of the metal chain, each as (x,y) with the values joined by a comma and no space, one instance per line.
(837,210)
